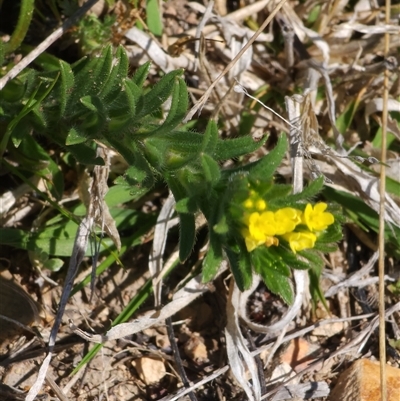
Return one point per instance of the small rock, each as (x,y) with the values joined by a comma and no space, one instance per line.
(196,350)
(361,382)
(162,341)
(150,370)
(328,330)
(283,370)
(298,354)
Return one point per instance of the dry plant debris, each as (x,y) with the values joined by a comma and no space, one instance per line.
(332,54)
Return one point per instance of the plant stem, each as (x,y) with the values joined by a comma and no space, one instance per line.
(24,20)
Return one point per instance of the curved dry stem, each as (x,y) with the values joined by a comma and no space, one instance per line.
(300,278)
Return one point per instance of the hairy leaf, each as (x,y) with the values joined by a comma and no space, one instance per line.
(187,235)
(231,148)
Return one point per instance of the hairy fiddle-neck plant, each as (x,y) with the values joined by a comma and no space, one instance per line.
(257,224)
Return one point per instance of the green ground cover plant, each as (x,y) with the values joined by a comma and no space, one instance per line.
(95,101)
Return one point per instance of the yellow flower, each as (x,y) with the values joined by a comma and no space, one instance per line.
(316,218)
(260,230)
(286,220)
(250,242)
(300,240)
(255,226)
(262,225)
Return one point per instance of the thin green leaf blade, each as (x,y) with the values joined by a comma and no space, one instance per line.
(187,235)
(66,84)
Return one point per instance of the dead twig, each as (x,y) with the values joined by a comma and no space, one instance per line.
(381,237)
(289,337)
(178,359)
(206,95)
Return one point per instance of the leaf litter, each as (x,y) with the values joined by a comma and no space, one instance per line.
(341,50)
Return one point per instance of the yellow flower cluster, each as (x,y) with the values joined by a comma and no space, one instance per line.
(263,227)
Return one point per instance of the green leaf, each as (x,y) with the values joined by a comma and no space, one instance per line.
(285,258)
(278,195)
(240,264)
(95,120)
(13,91)
(186,205)
(134,92)
(40,163)
(118,195)
(122,109)
(265,168)
(101,72)
(141,74)
(58,241)
(314,259)
(210,138)
(378,139)
(173,150)
(278,284)
(213,260)
(187,229)
(231,148)
(75,137)
(30,106)
(54,264)
(222,226)
(153,17)
(20,29)
(331,235)
(127,149)
(66,85)
(311,190)
(82,71)
(139,177)
(154,99)
(119,70)
(344,120)
(88,102)
(14,237)
(325,248)
(393,186)
(178,108)
(85,154)
(187,235)
(354,207)
(270,265)
(21,131)
(91,75)
(315,287)
(211,169)
(277,198)
(314,14)
(176,187)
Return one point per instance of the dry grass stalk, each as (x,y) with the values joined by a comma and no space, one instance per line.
(382,195)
